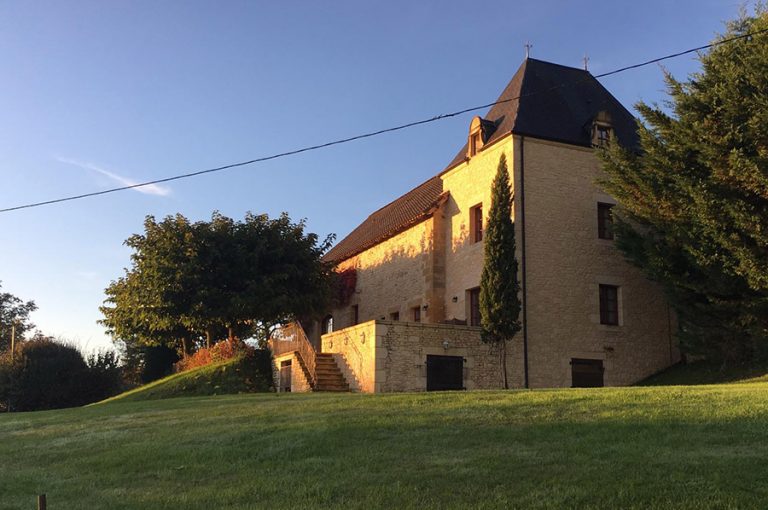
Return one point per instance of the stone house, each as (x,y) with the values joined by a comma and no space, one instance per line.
(412,322)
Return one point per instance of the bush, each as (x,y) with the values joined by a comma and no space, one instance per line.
(46,374)
(105,376)
(220,351)
(143,364)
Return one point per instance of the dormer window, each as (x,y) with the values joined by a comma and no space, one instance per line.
(602,132)
(480,131)
(602,135)
(475,142)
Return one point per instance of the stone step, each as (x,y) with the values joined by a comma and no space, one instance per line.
(331,377)
(321,387)
(328,377)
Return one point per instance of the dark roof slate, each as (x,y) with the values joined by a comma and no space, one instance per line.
(543,100)
(555,102)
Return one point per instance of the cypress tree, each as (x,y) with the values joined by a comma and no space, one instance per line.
(499,288)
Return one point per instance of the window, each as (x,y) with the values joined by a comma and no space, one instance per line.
(327,325)
(416,314)
(394,316)
(355,314)
(604,221)
(476,223)
(609,305)
(474,143)
(474,306)
(602,135)
(587,373)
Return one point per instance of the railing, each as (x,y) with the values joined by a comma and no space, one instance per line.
(292,338)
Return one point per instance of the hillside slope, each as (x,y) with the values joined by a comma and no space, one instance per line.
(244,374)
(651,447)
(704,372)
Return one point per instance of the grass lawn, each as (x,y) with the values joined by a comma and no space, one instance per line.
(646,447)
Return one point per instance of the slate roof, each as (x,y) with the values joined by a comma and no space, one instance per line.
(543,100)
(555,103)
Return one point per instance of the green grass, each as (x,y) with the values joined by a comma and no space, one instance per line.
(645,447)
(704,372)
(238,375)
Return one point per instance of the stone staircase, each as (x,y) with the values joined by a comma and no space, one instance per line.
(328,376)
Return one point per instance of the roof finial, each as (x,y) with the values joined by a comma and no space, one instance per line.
(586,62)
(528,47)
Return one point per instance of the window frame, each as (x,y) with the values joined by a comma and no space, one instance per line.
(416,313)
(602,135)
(605,221)
(476,223)
(610,305)
(474,316)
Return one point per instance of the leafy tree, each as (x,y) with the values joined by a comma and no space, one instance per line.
(194,281)
(499,288)
(694,200)
(142,364)
(14,311)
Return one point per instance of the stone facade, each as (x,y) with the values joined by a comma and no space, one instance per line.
(298,381)
(387,356)
(565,264)
(394,276)
(433,265)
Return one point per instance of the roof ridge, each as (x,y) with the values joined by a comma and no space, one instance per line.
(560,65)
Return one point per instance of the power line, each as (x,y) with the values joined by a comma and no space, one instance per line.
(379,132)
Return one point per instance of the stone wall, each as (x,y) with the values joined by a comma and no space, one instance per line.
(402,349)
(392,277)
(354,349)
(388,356)
(566,263)
(299,382)
(469,184)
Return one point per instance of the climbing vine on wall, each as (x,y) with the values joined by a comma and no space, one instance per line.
(346,282)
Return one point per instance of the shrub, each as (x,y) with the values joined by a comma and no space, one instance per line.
(220,351)
(47,374)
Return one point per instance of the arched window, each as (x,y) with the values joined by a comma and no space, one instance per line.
(480,131)
(327,325)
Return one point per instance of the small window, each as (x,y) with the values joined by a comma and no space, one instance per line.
(609,305)
(587,373)
(355,314)
(474,306)
(474,143)
(605,221)
(394,316)
(602,135)
(476,223)
(416,314)
(327,325)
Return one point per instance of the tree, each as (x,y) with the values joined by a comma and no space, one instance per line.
(194,281)
(693,201)
(14,312)
(45,373)
(499,288)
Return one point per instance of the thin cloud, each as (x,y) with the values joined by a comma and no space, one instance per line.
(149,189)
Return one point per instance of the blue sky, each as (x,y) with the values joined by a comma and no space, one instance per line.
(98,94)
